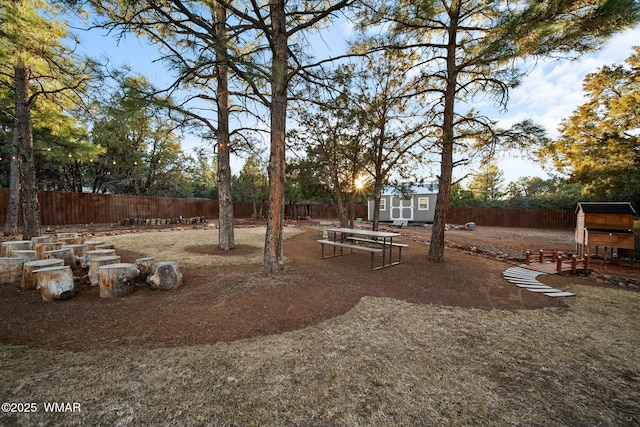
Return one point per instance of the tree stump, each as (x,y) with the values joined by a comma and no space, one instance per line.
(42,247)
(70,240)
(79,250)
(86,260)
(66,235)
(65,254)
(54,282)
(29,278)
(147,267)
(26,255)
(166,276)
(96,263)
(14,245)
(117,279)
(105,246)
(91,244)
(40,239)
(10,270)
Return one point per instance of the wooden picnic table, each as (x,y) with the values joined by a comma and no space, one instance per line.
(340,236)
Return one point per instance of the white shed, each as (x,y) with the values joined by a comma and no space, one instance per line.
(415,203)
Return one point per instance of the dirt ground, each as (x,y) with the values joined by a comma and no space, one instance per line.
(231,303)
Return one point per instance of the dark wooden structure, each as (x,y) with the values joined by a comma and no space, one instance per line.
(608,224)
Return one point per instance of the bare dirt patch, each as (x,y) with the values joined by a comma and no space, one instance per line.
(227,303)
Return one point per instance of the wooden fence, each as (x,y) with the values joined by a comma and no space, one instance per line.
(58,208)
(521,218)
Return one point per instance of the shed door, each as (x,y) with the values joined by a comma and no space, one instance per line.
(401,208)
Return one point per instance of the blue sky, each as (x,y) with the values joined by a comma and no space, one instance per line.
(553,90)
(550,93)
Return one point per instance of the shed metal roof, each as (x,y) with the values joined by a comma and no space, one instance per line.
(412,189)
(606,207)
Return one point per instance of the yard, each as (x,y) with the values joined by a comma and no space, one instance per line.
(328,342)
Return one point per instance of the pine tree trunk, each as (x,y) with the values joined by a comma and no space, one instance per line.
(27,171)
(436,246)
(226,238)
(11,219)
(273,250)
(341,209)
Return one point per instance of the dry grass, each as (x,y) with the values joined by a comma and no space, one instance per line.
(385,362)
(176,247)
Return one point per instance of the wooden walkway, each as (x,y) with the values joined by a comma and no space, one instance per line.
(525,278)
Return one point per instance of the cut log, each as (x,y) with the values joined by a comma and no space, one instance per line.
(40,248)
(86,259)
(105,246)
(66,235)
(26,255)
(28,278)
(10,270)
(96,263)
(70,240)
(117,279)
(64,254)
(166,276)
(91,244)
(14,245)
(79,250)
(54,282)
(147,267)
(40,239)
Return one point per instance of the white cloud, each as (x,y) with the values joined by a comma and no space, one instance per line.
(552,92)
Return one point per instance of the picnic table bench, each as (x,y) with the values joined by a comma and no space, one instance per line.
(381,242)
(342,246)
(384,239)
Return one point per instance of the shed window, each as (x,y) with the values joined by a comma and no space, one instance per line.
(383,204)
(423,203)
